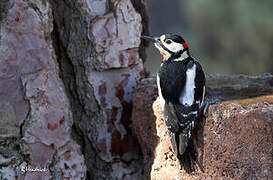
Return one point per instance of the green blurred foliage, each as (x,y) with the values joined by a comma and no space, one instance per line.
(230,37)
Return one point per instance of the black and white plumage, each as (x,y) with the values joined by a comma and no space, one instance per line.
(181,87)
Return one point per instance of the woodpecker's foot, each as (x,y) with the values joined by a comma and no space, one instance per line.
(200,166)
(204,108)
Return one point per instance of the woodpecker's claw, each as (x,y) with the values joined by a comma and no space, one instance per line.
(205,106)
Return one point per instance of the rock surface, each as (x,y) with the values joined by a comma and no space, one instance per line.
(234,141)
(67,74)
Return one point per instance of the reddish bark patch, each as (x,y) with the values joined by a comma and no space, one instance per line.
(102,92)
(40,36)
(116,143)
(121,146)
(121,59)
(125,81)
(114,114)
(126,116)
(52,126)
(103,101)
(119,91)
(128,143)
(120,42)
(94,21)
(102,89)
(120,87)
(111,118)
(108,115)
(102,146)
(136,26)
(79,151)
(142,73)
(18,17)
(80,3)
(132,57)
(67,156)
(61,120)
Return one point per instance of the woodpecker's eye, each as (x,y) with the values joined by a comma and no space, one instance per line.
(168,41)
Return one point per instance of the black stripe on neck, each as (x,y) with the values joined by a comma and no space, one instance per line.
(176,54)
(179,53)
(166,49)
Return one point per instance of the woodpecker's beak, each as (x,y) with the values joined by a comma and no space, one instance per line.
(157,43)
(152,39)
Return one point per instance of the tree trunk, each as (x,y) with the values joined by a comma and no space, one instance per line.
(67,73)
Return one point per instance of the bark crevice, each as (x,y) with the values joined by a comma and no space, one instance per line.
(72,73)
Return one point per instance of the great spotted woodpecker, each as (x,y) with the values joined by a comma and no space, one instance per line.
(181,88)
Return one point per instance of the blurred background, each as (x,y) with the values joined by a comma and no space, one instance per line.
(227,37)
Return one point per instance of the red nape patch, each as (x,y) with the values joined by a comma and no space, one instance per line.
(185,45)
(52,126)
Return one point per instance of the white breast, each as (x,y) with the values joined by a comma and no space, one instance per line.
(162,101)
(187,96)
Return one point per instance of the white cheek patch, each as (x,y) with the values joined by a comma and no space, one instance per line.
(174,47)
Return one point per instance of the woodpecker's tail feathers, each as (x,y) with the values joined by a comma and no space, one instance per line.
(184,150)
(180,122)
(188,158)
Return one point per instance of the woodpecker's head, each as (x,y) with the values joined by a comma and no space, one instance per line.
(170,45)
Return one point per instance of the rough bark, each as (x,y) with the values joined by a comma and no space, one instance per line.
(234,141)
(35,115)
(67,73)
